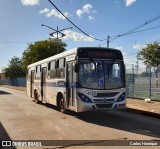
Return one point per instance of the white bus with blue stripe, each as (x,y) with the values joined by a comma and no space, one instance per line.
(81,79)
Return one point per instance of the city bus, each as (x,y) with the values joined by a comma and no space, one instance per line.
(81,79)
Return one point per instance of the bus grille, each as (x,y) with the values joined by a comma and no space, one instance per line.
(106,94)
(104,105)
(102,100)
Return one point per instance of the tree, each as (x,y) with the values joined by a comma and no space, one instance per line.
(40,50)
(150,55)
(14,68)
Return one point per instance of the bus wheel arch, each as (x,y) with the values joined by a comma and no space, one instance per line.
(61,104)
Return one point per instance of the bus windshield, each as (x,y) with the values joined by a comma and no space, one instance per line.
(101,75)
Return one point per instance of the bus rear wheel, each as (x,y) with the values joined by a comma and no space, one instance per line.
(36,97)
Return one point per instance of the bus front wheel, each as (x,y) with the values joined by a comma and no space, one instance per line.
(62,105)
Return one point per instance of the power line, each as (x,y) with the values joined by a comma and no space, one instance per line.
(10,42)
(133,33)
(143,34)
(73,23)
(141,30)
(112,37)
(138,27)
(130,55)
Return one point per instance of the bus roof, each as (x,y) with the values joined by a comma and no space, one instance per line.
(74,51)
(63,54)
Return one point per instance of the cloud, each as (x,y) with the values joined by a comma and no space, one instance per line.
(85,9)
(138,46)
(127,59)
(90,18)
(122,50)
(94,11)
(76,36)
(79,13)
(30,2)
(130,59)
(45,10)
(54,13)
(129,2)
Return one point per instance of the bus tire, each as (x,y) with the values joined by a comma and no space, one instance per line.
(62,105)
(36,97)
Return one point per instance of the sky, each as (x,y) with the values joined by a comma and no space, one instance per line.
(21,24)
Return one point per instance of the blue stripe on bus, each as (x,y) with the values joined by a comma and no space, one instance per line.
(65,85)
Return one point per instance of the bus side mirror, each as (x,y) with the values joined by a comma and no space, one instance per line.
(76,68)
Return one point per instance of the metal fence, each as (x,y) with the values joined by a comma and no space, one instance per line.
(14,82)
(142,83)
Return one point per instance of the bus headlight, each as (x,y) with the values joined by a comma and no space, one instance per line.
(121,97)
(84,98)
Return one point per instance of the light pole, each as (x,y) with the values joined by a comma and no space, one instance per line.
(137,63)
(57,31)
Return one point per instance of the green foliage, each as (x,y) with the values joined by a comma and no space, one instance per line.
(35,52)
(40,50)
(14,68)
(150,55)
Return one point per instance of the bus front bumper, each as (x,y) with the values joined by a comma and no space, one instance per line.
(84,106)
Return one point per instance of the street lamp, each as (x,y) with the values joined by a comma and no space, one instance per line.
(57,31)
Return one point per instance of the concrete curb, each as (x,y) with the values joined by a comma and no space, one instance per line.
(151,114)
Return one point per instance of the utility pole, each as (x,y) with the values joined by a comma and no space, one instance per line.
(133,80)
(57,40)
(108,41)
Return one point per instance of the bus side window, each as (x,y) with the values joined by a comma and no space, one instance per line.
(61,68)
(28,74)
(53,69)
(38,72)
(49,68)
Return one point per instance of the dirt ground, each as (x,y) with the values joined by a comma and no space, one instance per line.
(15,87)
(139,104)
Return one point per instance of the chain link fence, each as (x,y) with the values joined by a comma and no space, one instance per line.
(142,83)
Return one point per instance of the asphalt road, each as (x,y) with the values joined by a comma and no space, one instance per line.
(23,119)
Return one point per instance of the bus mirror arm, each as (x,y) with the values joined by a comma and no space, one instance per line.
(93,65)
(76,68)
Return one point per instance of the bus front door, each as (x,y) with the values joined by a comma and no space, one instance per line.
(71,93)
(32,84)
(43,84)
